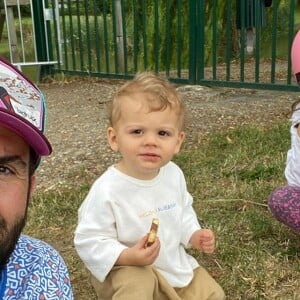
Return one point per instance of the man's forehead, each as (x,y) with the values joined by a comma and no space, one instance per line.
(12,143)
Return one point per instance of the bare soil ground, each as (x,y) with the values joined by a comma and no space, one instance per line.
(77,121)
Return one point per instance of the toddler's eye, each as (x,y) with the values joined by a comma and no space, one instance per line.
(137,131)
(163,133)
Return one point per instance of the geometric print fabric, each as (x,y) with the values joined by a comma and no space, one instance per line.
(35,271)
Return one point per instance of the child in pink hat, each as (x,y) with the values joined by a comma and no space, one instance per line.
(284,202)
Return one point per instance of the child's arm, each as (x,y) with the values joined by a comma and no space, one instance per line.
(292,171)
(139,254)
(203,239)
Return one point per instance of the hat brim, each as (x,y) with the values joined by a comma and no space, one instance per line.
(35,139)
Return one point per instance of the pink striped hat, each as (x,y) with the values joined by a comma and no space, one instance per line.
(22,109)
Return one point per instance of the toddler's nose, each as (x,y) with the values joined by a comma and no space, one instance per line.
(150,139)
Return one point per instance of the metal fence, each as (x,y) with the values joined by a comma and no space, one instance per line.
(248,46)
(119,38)
(237,43)
(24,35)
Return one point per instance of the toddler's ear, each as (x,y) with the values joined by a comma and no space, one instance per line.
(112,138)
(180,139)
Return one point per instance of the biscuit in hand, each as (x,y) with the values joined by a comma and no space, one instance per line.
(153,232)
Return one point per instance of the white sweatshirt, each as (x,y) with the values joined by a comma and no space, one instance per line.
(118,212)
(292,170)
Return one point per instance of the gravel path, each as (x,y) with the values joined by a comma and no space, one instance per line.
(77,121)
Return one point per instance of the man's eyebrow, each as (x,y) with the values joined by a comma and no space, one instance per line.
(13,159)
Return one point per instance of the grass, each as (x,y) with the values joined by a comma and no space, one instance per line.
(230,176)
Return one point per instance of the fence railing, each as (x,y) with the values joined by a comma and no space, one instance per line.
(229,43)
(249,46)
(26,24)
(219,42)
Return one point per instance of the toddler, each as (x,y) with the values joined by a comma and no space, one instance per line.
(146,127)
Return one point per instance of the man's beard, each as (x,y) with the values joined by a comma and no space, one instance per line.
(9,238)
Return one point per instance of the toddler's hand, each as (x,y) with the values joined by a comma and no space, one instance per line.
(203,239)
(139,255)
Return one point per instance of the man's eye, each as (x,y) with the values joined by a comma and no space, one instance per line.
(4,170)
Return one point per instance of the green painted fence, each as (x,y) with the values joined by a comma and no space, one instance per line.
(234,43)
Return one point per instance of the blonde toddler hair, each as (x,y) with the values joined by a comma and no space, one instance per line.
(159,93)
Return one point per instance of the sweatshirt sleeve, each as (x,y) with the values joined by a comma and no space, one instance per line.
(292,170)
(189,218)
(95,237)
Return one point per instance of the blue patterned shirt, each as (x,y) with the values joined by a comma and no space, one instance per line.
(35,271)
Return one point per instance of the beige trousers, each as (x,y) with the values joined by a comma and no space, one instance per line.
(145,283)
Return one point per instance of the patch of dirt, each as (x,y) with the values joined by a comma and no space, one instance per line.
(77,121)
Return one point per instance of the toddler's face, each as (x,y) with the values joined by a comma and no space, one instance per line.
(146,140)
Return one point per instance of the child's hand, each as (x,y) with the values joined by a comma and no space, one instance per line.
(139,255)
(203,239)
